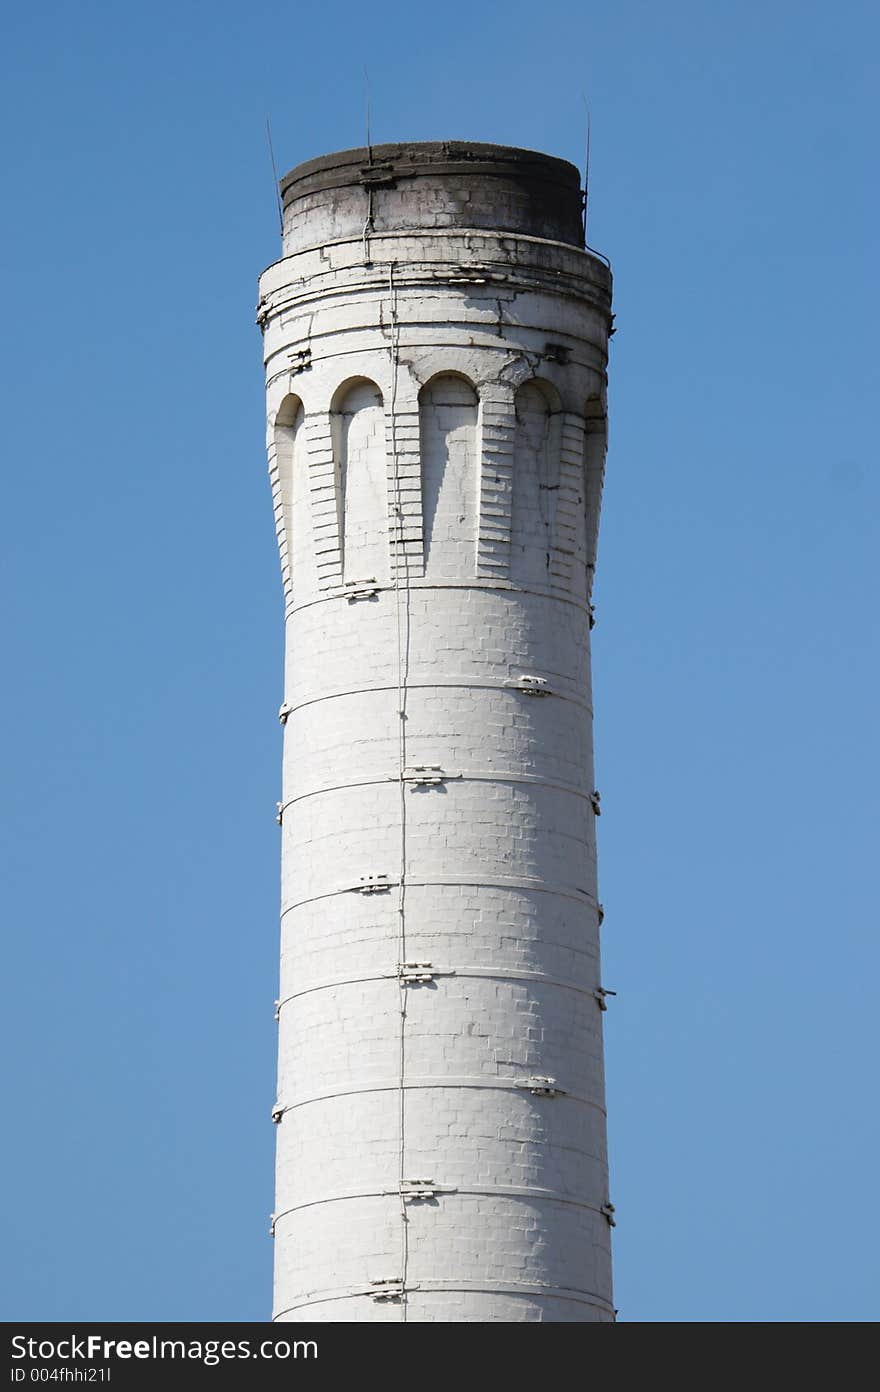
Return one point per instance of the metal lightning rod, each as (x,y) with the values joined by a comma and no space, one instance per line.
(367,114)
(274,174)
(587,174)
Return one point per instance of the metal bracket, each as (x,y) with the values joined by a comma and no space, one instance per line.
(277,1011)
(541,1087)
(300,359)
(532,686)
(600,993)
(557,352)
(608,1210)
(386,1290)
(595,799)
(591,610)
(361,589)
(414,973)
(279,812)
(378,176)
(278,1112)
(372,884)
(466,275)
(600,914)
(262,312)
(424,775)
(271,1224)
(284,711)
(414,1189)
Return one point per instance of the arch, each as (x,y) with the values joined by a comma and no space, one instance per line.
(596,425)
(295,524)
(289,411)
(358,430)
(448,415)
(537,444)
(595,449)
(545,389)
(446,378)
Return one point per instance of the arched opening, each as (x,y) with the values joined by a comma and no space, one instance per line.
(596,423)
(358,424)
(293,482)
(535,481)
(595,448)
(448,410)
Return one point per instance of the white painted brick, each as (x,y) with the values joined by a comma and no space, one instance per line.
(497,481)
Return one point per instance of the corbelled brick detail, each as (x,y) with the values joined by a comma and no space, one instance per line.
(404,490)
(324,500)
(568,554)
(498,428)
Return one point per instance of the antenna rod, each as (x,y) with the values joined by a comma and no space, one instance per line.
(587,178)
(274,174)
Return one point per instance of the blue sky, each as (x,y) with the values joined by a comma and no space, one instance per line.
(734,186)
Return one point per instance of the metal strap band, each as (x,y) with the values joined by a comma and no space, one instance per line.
(481,973)
(459,776)
(440,1081)
(477,683)
(580,896)
(503,1191)
(477,1287)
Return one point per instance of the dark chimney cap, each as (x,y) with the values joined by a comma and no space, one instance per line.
(466,185)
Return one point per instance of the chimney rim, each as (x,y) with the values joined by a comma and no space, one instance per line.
(412,159)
